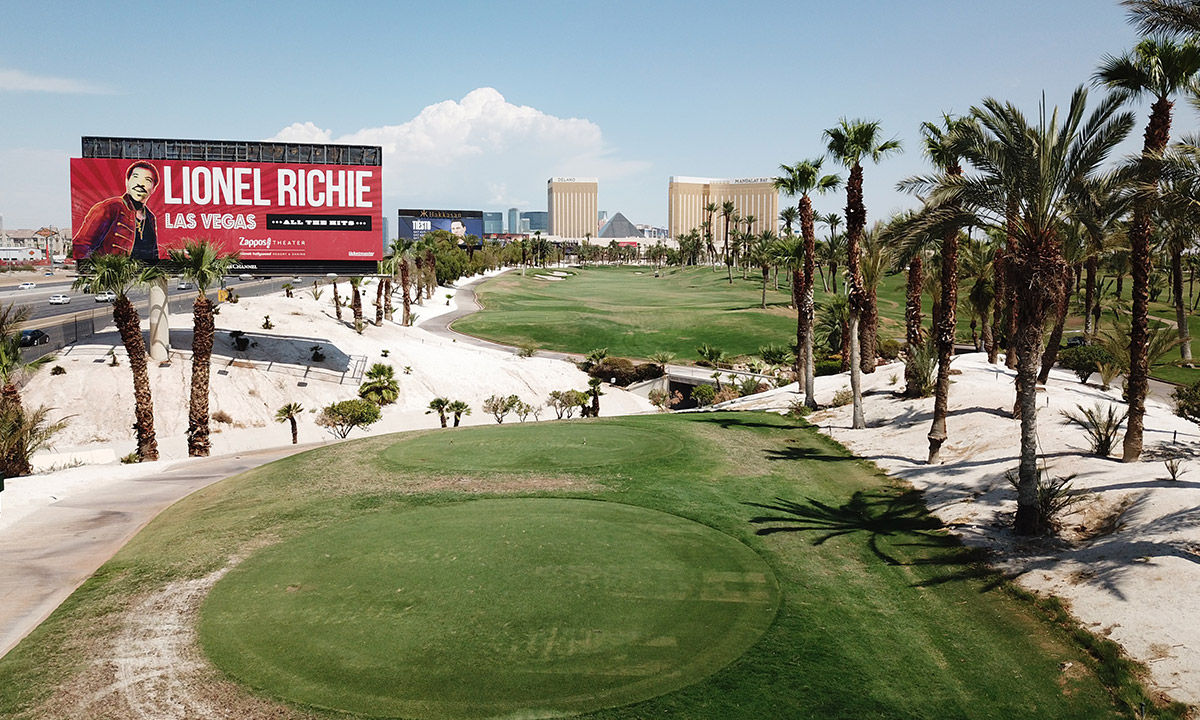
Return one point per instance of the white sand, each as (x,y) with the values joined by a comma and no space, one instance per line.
(1138,585)
(98,398)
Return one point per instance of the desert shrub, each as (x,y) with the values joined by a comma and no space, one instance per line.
(131,459)
(24,431)
(221,416)
(624,371)
(918,368)
(1085,360)
(1187,401)
(1108,373)
(797,409)
(842,397)
(664,400)
(1174,466)
(526,349)
(827,366)
(726,394)
(341,417)
(750,386)
(1102,425)
(776,354)
(266,323)
(522,408)
(592,358)
(648,371)
(1055,498)
(499,406)
(887,348)
(710,356)
(58,370)
(704,395)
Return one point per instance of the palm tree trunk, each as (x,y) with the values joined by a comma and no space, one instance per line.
(405,281)
(945,337)
(1050,355)
(379,302)
(295,433)
(912,323)
(809,233)
(458,417)
(1029,346)
(999,271)
(1158,132)
(833,276)
(387,298)
(1089,296)
(202,345)
(868,328)
(129,325)
(824,282)
(337,302)
(356,306)
(859,421)
(1185,347)
(766,270)
(801,321)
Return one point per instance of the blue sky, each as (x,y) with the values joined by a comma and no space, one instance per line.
(477,104)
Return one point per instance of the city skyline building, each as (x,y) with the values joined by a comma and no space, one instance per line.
(514,221)
(535,220)
(493,223)
(688,196)
(572,206)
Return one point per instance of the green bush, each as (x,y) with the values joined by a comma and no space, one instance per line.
(1187,402)
(827,367)
(887,348)
(342,417)
(776,354)
(624,371)
(704,395)
(1084,360)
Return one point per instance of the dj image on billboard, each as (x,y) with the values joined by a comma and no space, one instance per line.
(274,215)
(415,223)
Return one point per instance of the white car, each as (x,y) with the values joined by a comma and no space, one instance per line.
(60,299)
(26,286)
(245,276)
(106,296)
(183,285)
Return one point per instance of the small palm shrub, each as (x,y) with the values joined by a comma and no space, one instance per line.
(1108,373)
(776,354)
(918,369)
(380,386)
(1101,425)
(887,348)
(592,358)
(1055,498)
(1085,360)
(750,386)
(58,370)
(710,356)
(1174,466)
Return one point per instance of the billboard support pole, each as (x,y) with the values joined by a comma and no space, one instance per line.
(160,327)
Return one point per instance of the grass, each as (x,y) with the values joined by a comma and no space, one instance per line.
(881,614)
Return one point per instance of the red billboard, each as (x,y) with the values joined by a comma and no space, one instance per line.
(277,216)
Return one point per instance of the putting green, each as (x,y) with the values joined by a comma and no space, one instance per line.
(532,607)
(560,447)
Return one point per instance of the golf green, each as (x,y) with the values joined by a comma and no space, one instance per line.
(531,607)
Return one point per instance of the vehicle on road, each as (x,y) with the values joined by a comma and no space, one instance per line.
(60,299)
(183,285)
(48,274)
(106,296)
(26,286)
(34,337)
(244,276)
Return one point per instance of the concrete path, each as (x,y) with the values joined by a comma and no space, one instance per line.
(50,552)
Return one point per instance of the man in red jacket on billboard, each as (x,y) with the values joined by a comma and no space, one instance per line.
(122,225)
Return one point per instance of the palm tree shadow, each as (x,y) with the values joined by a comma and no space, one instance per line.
(898,529)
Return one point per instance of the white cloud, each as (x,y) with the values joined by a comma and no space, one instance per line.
(21,81)
(481,151)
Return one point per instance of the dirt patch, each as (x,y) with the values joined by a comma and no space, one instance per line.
(152,669)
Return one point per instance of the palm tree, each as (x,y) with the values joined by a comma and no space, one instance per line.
(356,303)
(913,242)
(1101,209)
(761,254)
(458,408)
(849,143)
(1037,168)
(978,267)
(439,405)
(380,386)
(1159,68)
(877,259)
(943,147)
(12,364)
(337,300)
(119,274)
(21,434)
(289,413)
(728,211)
(710,209)
(1170,17)
(1074,249)
(1178,235)
(201,262)
(832,250)
(799,180)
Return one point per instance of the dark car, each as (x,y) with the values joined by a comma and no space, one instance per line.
(34,337)
(1077,341)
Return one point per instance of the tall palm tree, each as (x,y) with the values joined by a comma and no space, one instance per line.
(978,268)
(849,143)
(710,210)
(14,419)
(1178,223)
(1100,209)
(761,254)
(356,302)
(832,249)
(1159,68)
(203,263)
(119,274)
(943,146)
(913,243)
(877,259)
(1039,167)
(288,413)
(1074,248)
(1170,17)
(728,211)
(800,180)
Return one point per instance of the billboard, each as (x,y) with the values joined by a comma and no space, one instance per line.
(280,217)
(415,223)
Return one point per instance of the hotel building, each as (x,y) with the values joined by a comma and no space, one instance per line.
(688,196)
(572,206)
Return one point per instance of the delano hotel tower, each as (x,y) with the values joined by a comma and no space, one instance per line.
(687,197)
(571,204)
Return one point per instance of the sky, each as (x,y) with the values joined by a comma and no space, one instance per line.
(477,104)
